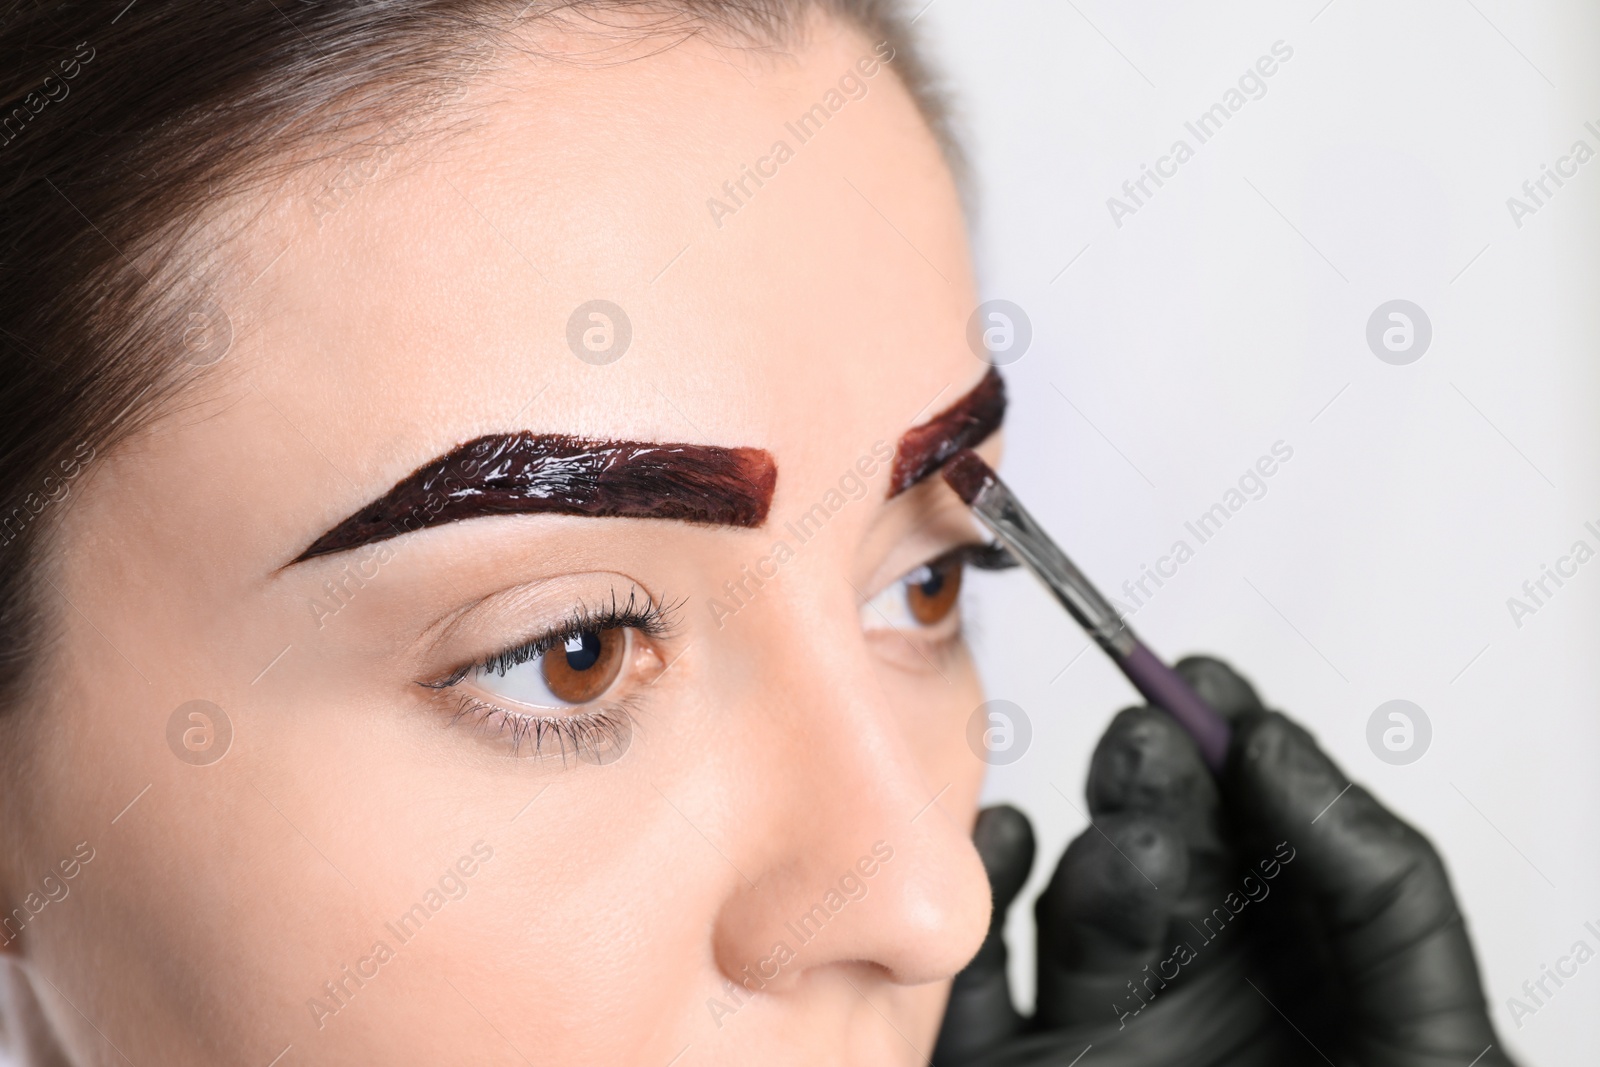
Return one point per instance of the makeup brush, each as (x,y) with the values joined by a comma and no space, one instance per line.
(998,509)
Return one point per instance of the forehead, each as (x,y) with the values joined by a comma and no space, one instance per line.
(680,247)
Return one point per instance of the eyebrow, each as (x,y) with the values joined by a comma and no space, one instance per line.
(520,473)
(924,449)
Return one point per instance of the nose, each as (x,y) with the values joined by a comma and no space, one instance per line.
(854,854)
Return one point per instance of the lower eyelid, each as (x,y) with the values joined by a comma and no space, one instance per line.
(599,731)
(597,734)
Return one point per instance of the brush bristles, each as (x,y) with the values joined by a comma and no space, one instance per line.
(968,475)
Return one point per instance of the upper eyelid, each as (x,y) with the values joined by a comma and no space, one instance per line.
(980,555)
(543,600)
(983,556)
(654,617)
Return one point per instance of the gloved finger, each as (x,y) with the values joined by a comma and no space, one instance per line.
(1219,685)
(1396,933)
(1103,919)
(1145,763)
(980,1013)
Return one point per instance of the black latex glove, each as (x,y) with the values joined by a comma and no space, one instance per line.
(1233,920)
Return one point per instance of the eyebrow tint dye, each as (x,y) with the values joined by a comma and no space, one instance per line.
(924,449)
(516,473)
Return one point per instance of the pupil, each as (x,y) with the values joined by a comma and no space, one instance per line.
(929,581)
(583,650)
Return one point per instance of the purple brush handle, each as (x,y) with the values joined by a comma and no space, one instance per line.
(1165,688)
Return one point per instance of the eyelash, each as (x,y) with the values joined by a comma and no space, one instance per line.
(607,728)
(599,735)
(590,734)
(989,556)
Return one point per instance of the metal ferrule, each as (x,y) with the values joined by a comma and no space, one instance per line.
(1011,523)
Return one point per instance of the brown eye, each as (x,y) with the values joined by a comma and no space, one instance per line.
(584,667)
(932,590)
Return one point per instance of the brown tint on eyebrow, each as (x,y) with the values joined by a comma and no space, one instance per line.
(923,449)
(505,474)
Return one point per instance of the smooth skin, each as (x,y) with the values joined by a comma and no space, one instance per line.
(607,905)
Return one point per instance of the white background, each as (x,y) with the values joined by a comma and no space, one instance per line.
(1229,313)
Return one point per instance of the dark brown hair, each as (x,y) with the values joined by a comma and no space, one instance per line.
(121,122)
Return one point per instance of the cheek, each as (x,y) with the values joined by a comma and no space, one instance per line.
(598,915)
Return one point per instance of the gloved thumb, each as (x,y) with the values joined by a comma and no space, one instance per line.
(981,1014)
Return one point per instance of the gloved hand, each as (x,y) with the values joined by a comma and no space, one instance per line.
(1275,914)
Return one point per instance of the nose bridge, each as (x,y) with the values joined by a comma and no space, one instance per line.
(846,761)
(848,778)
(857,861)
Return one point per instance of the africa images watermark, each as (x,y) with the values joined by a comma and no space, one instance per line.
(33,504)
(52,90)
(1254,889)
(1537,192)
(851,887)
(341,589)
(52,890)
(1251,486)
(199,732)
(1566,967)
(338,992)
(1252,85)
(1537,592)
(852,85)
(848,488)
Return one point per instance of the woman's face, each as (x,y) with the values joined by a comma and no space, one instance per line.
(532,787)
